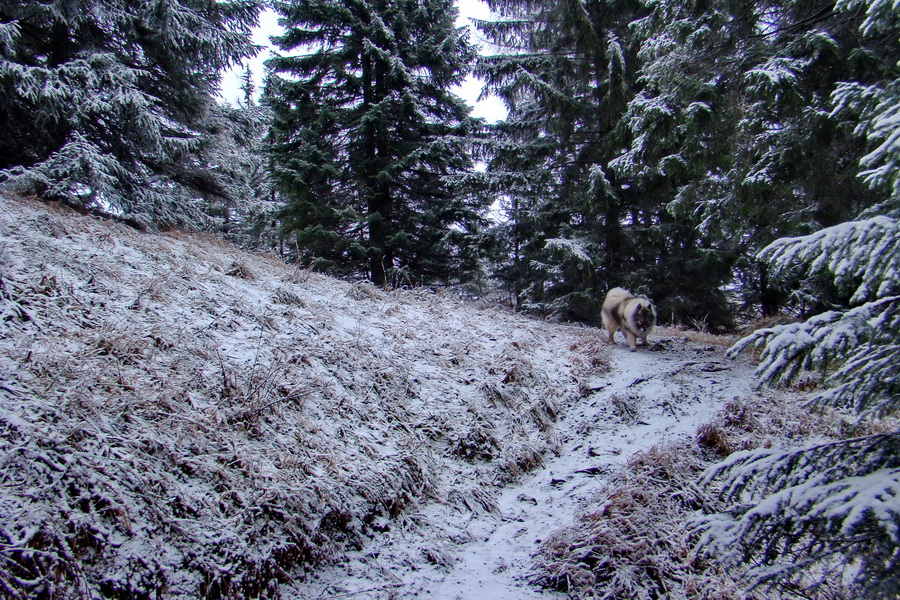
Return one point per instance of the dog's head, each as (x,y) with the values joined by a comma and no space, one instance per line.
(644,316)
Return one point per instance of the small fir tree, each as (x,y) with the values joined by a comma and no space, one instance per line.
(804,518)
(239,201)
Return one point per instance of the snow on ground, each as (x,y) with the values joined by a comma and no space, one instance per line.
(183,419)
(191,418)
(648,398)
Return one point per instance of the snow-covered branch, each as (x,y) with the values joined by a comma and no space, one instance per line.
(797,515)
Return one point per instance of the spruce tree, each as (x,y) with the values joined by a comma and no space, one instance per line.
(102,101)
(809,517)
(369,145)
(589,209)
(824,519)
(565,70)
(704,134)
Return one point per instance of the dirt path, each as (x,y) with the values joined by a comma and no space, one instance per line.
(647,398)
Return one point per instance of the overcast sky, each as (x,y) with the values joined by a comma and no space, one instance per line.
(491,109)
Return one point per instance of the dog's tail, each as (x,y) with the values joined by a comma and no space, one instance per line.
(616,297)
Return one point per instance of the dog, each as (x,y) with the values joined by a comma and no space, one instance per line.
(634,315)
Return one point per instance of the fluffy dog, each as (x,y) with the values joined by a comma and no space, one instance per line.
(634,315)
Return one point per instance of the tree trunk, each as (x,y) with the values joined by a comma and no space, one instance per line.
(612,236)
(379,201)
(768,298)
(380,214)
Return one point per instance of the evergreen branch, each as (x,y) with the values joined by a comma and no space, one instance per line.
(863,338)
(860,254)
(811,510)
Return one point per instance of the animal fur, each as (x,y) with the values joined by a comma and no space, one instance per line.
(635,316)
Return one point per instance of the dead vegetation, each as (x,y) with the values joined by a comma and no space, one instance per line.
(697,335)
(179,419)
(634,542)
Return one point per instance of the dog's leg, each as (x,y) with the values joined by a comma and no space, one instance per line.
(632,340)
(610,323)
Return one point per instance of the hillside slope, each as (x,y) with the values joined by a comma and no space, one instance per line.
(180,419)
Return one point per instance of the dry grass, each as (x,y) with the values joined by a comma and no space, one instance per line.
(633,542)
(180,419)
(694,335)
(765,323)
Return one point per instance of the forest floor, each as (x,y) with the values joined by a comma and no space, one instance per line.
(181,419)
(653,397)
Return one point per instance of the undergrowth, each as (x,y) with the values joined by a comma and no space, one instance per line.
(634,542)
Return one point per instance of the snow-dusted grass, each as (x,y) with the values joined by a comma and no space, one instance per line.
(636,443)
(181,419)
(635,540)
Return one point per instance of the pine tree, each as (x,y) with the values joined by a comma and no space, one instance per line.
(565,70)
(368,143)
(808,518)
(101,100)
(679,154)
(736,115)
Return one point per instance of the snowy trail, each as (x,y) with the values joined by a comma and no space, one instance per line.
(647,398)
(234,383)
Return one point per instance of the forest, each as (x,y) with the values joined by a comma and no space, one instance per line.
(655,145)
(738,163)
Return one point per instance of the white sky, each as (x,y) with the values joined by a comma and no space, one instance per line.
(491,108)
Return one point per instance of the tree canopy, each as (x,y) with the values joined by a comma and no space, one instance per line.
(369,145)
(103,101)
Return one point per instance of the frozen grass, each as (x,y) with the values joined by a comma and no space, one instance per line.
(633,541)
(181,419)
